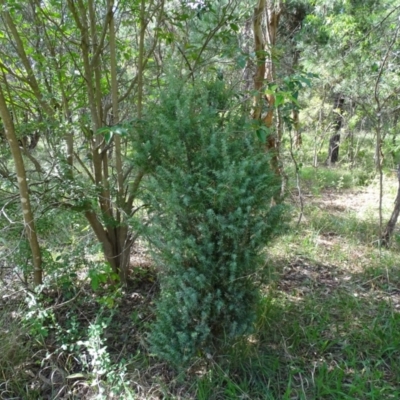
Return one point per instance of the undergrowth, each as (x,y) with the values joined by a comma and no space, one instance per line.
(327,325)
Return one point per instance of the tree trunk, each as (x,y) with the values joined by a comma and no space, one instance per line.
(116,242)
(298,140)
(333,154)
(23,189)
(274,10)
(259,47)
(334,141)
(141,58)
(265,72)
(294,17)
(387,234)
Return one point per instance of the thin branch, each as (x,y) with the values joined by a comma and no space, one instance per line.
(82,164)
(100,46)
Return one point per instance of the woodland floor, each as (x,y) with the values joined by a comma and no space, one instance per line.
(328,328)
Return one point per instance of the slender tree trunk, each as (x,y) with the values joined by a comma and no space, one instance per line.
(23,189)
(334,141)
(265,71)
(115,107)
(259,47)
(91,48)
(123,243)
(394,137)
(388,232)
(295,111)
(273,16)
(141,58)
(379,156)
(298,140)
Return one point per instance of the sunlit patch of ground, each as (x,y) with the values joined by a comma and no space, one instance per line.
(343,293)
(363,202)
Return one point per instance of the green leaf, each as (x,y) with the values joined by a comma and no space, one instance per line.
(119,130)
(109,131)
(305,80)
(272,88)
(94,279)
(241,61)
(108,301)
(102,130)
(279,99)
(293,99)
(262,133)
(108,136)
(94,282)
(234,27)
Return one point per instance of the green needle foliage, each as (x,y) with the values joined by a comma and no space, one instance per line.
(211,216)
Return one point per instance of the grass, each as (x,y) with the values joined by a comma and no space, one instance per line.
(328,324)
(334,334)
(306,349)
(343,177)
(15,355)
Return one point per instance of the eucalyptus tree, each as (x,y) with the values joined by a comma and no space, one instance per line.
(264,45)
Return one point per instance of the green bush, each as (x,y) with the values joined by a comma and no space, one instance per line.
(211,215)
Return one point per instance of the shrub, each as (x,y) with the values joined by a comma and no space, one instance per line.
(211,215)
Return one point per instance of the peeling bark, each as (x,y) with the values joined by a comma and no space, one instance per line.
(264,104)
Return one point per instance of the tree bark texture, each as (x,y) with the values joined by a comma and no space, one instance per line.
(295,111)
(23,189)
(264,42)
(334,141)
(294,18)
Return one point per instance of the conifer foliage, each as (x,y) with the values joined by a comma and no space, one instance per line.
(211,215)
